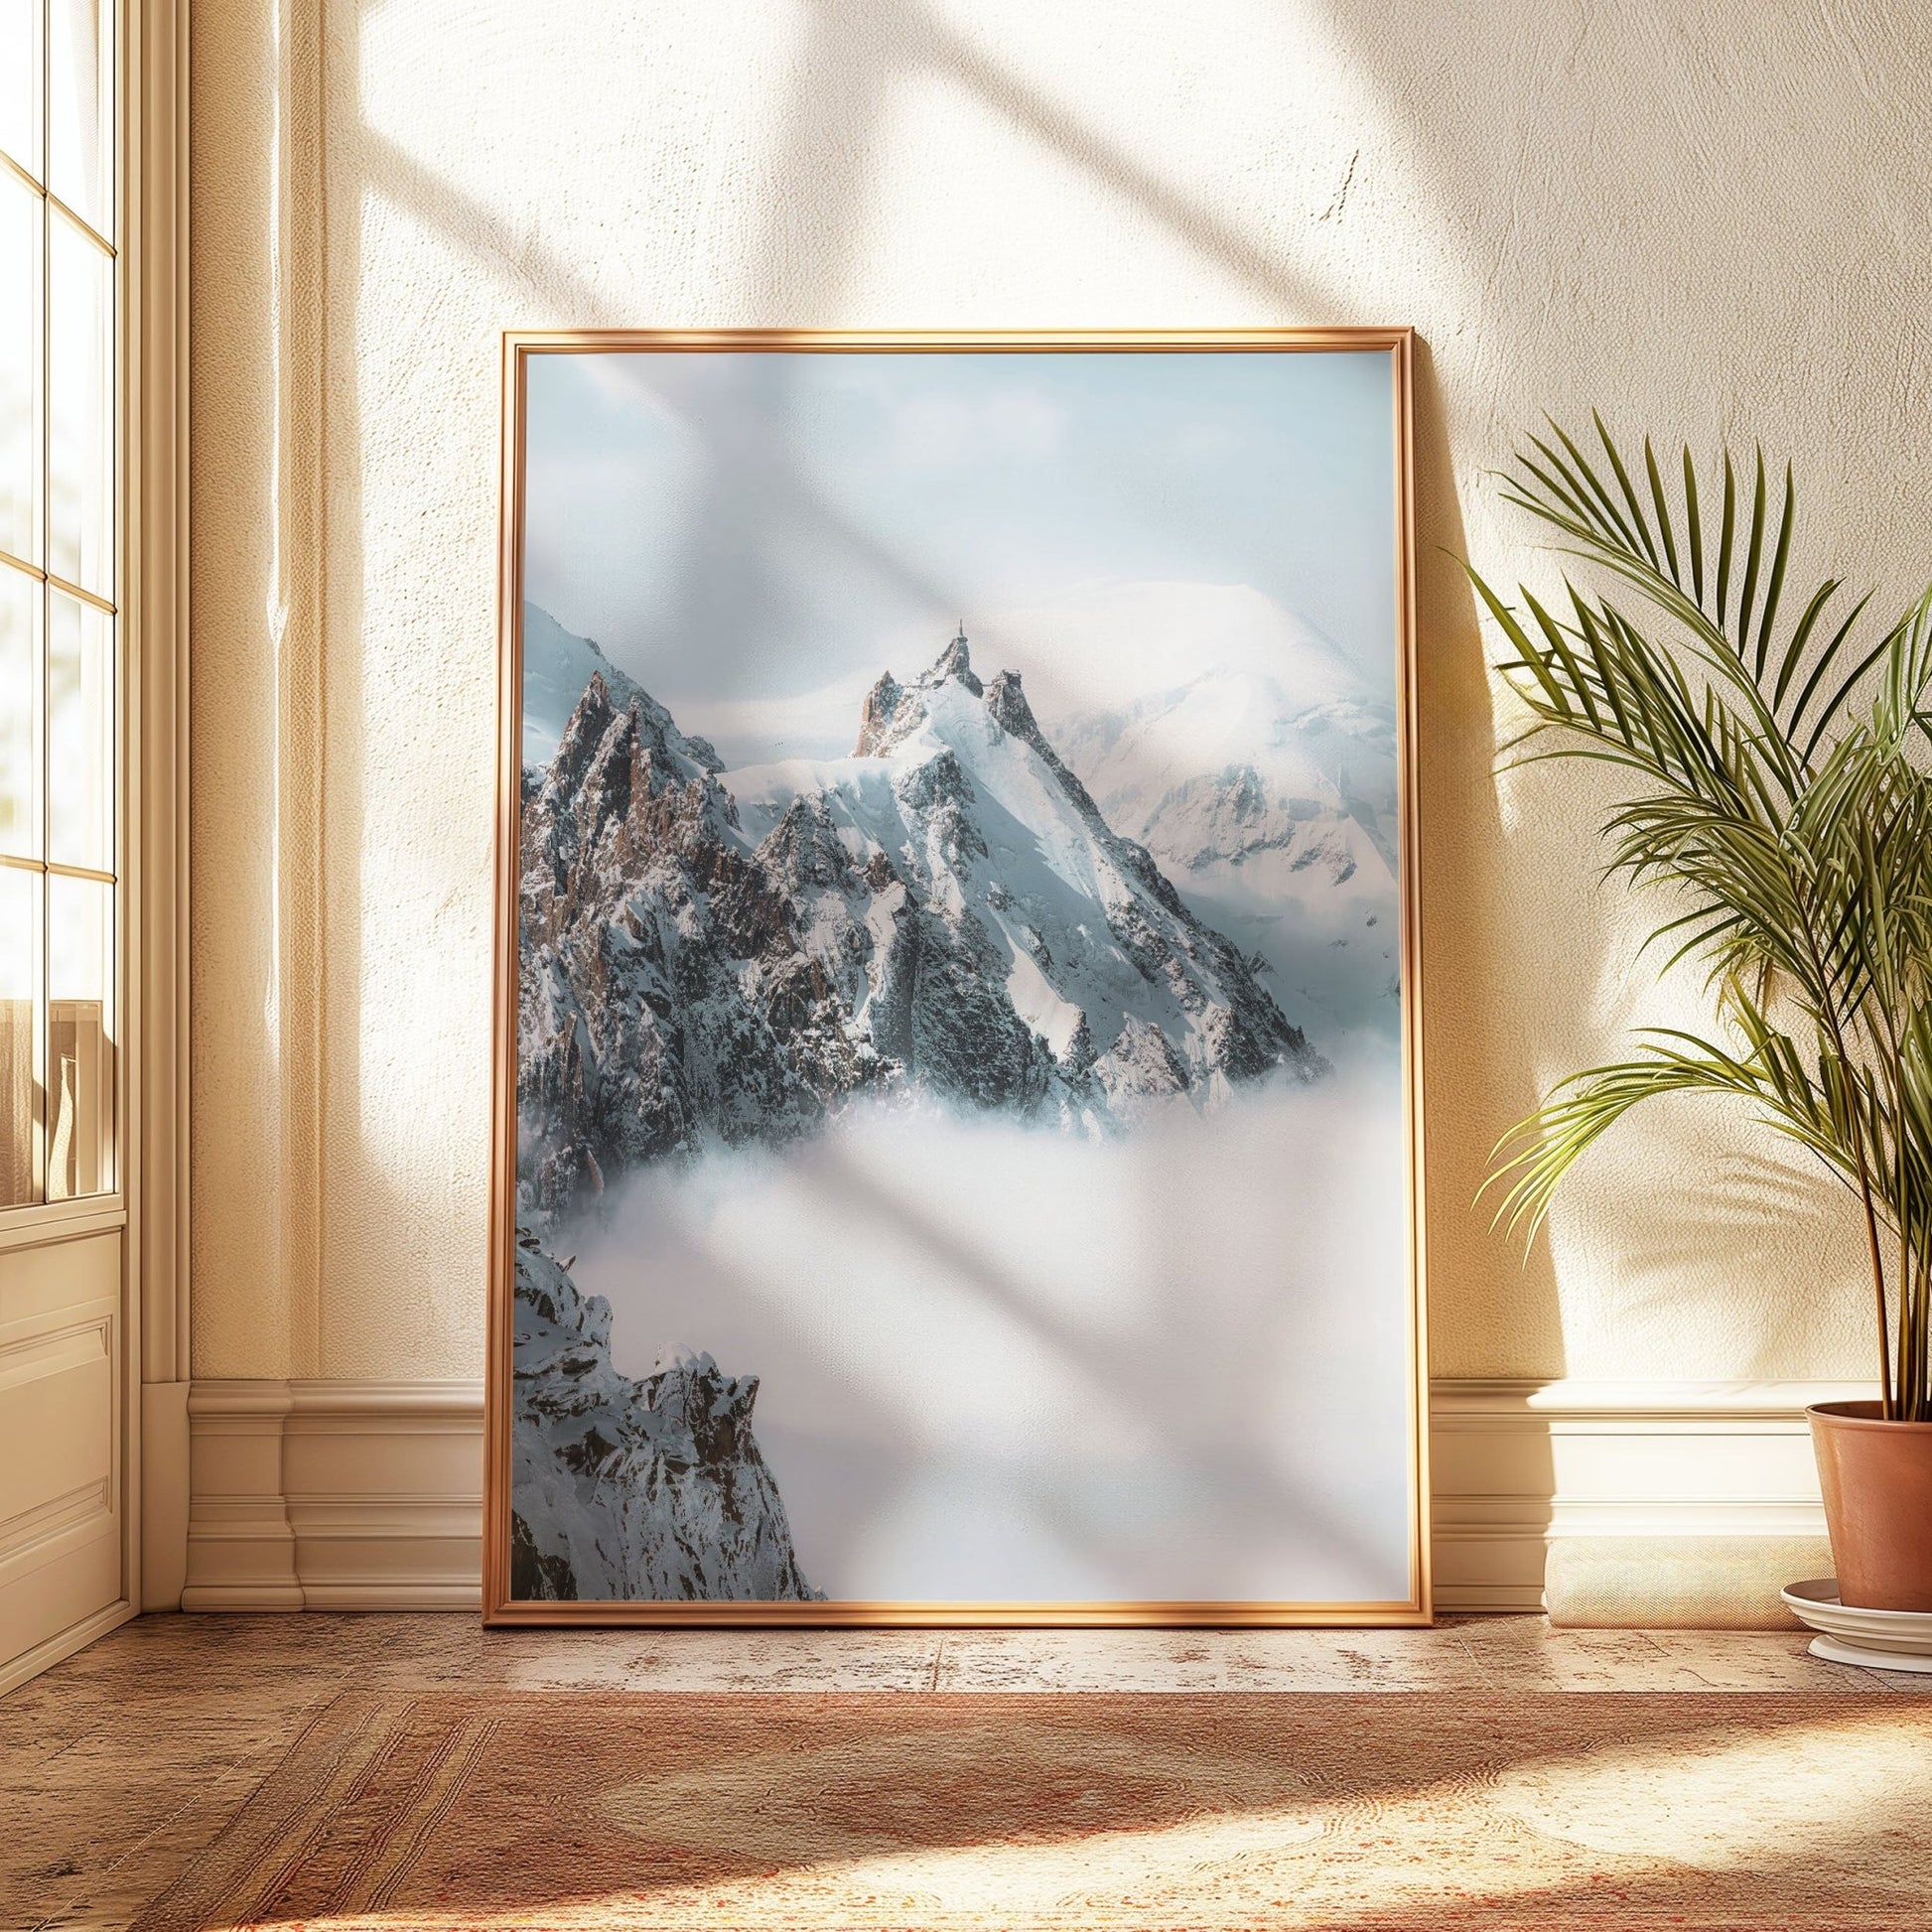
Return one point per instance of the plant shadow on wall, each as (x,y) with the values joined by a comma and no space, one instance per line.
(1775,784)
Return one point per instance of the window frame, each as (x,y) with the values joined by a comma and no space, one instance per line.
(21,1223)
(149,1210)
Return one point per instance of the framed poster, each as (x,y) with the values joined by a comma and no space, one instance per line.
(957,1140)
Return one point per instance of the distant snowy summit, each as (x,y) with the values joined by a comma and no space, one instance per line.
(733,956)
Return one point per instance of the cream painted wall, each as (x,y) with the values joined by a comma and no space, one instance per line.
(1707,220)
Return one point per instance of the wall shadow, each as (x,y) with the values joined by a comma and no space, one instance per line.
(1614,180)
(1478,1286)
(823,137)
(1488,999)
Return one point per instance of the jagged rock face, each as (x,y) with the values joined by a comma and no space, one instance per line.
(877,715)
(621,1488)
(721,957)
(663,995)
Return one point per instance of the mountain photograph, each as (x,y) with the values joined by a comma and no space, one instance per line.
(957,1096)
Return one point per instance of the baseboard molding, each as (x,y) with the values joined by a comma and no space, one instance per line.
(334,1497)
(1650,1502)
(59,1647)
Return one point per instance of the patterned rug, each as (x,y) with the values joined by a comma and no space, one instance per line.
(939,1813)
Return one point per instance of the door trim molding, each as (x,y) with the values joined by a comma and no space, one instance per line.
(156,1131)
(57,1649)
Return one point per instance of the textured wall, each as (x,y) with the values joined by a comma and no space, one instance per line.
(1708,220)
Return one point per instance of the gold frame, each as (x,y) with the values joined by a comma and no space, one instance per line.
(498,1608)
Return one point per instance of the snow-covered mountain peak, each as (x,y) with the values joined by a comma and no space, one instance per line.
(1250,757)
(621,771)
(958,838)
(1006,703)
(892,712)
(1277,819)
(559,668)
(956,664)
(948,734)
(878,716)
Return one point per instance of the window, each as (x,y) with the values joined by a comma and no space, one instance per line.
(60,633)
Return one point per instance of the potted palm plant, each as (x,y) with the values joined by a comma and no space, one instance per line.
(1773,751)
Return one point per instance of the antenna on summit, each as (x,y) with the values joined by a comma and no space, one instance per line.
(961,638)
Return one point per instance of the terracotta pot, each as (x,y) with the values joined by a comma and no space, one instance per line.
(1877,1476)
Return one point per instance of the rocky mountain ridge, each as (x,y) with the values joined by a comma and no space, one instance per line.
(646,1489)
(715,957)
(724,957)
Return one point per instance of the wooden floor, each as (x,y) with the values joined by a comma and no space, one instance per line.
(120,1764)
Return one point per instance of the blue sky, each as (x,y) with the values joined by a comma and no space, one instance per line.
(765,523)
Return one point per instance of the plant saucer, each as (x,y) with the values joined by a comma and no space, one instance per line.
(1871,1639)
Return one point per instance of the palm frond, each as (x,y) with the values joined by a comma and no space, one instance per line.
(1607,521)
(1777,789)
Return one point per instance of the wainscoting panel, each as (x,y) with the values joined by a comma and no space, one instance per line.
(1660,1503)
